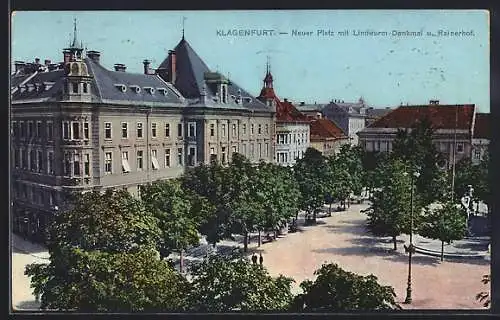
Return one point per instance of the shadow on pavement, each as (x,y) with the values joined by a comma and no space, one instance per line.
(27,306)
(20,245)
(481,246)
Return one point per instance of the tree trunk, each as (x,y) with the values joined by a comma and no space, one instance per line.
(260,239)
(330,210)
(245,242)
(181,261)
(314,216)
(394,242)
(442,250)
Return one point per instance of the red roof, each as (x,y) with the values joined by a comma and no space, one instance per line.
(441,116)
(285,110)
(324,128)
(482,126)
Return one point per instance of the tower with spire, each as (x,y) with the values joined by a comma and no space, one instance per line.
(267,94)
(268,79)
(77,81)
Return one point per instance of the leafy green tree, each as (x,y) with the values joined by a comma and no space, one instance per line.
(227,284)
(389,212)
(475,175)
(97,281)
(311,173)
(113,221)
(446,224)
(209,184)
(416,147)
(337,290)
(179,224)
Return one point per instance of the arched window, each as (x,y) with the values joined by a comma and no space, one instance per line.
(85,88)
(74,68)
(75,87)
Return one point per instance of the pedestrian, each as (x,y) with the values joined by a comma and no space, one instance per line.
(254,258)
(261,259)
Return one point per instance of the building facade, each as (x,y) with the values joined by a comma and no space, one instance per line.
(327,137)
(453,124)
(76,127)
(481,137)
(292,127)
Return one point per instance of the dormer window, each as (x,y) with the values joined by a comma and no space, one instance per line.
(121,87)
(135,88)
(162,91)
(150,90)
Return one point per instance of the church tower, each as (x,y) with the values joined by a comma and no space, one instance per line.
(267,94)
(77,81)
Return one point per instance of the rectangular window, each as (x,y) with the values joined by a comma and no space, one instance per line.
(40,160)
(17,153)
(75,87)
(38,129)
(167,158)
(191,156)
(140,158)
(75,130)
(85,88)
(234,131)
(223,151)
(167,130)
(460,147)
(87,164)
(192,129)
(260,150)
(179,156)
(107,130)
(65,130)
(266,149)
(67,164)
(244,128)
(252,129)
(124,130)
(153,129)
(179,129)
(244,149)
(477,154)
(234,149)
(267,129)
(259,129)
(30,129)
(252,150)
(139,130)
(32,160)
(213,156)
(76,164)
(86,131)
(22,129)
(154,160)
(125,164)
(212,129)
(108,162)
(24,158)
(223,129)
(14,129)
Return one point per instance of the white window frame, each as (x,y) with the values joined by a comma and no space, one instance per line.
(154,129)
(192,125)
(234,130)
(154,160)
(193,154)
(252,129)
(137,160)
(244,128)
(139,127)
(180,134)
(38,133)
(76,159)
(110,130)
(124,126)
(167,130)
(223,129)
(463,147)
(39,159)
(181,154)
(125,163)
(72,131)
(86,159)
(106,161)
(86,130)
(212,129)
(66,130)
(168,156)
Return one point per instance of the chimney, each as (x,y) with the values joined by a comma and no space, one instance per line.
(47,62)
(94,56)
(19,65)
(67,56)
(302,103)
(120,67)
(37,60)
(434,102)
(285,100)
(173,66)
(146,66)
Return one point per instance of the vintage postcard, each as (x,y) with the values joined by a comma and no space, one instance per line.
(250,161)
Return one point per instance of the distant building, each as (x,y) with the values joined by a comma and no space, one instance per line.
(327,137)
(349,116)
(453,124)
(373,114)
(481,137)
(312,111)
(292,127)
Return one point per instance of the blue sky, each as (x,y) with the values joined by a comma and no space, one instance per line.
(384,70)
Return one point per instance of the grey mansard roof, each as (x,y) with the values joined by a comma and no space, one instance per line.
(190,73)
(105,87)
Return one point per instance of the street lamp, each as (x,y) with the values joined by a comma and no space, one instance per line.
(410,249)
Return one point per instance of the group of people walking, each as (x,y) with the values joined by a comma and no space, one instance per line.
(254,259)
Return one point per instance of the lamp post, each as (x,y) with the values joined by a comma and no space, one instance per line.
(410,249)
